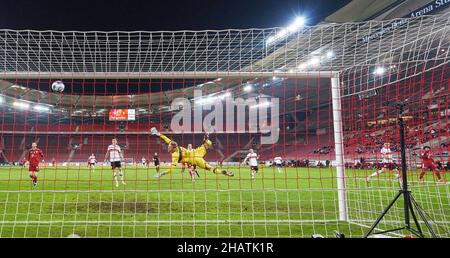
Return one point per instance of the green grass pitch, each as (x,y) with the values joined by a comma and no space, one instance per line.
(296,202)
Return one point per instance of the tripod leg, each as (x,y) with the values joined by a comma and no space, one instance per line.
(383,213)
(419,210)
(414,216)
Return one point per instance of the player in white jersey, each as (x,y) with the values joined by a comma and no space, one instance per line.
(115,157)
(387,162)
(91,162)
(144,162)
(278,163)
(252,158)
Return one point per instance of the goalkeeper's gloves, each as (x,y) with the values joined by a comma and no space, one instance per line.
(154,131)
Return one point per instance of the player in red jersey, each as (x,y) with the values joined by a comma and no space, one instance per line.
(429,164)
(35,155)
(23,162)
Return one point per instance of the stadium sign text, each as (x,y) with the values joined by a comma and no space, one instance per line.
(227,115)
(424,10)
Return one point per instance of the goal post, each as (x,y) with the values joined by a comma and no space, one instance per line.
(339,147)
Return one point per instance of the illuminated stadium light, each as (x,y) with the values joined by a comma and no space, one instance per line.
(248,88)
(270,40)
(41,108)
(302,66)
(314,61)
(21,105)
(379,71)
(329,54)
(298,23)
(282,33)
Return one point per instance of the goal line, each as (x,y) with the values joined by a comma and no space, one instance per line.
(276,221)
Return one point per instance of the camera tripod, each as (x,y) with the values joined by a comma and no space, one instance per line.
(409,202)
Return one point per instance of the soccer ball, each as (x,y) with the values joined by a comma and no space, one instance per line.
(58,86)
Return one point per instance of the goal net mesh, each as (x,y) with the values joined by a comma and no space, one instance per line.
(269,90)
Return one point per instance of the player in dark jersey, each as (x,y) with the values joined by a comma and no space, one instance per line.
(35,155)
(156,162)
(429,164)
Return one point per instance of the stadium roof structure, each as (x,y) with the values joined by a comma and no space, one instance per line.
(238,55)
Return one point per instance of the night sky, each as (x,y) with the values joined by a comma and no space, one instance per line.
(152,15)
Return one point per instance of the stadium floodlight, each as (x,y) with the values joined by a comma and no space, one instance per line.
(41,108)
(379,71)
(302,66)
(297,24)
(282,33)
(329,54)
(314,61)
(21,105)
(270,40)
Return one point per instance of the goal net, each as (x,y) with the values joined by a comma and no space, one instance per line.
(315,105)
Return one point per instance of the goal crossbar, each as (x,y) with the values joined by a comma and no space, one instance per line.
(163,75)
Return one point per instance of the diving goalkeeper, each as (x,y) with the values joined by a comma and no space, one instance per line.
(183,155)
